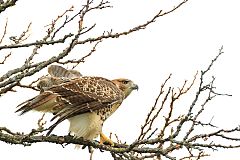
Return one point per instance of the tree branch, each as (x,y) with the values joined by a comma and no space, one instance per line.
(7,4)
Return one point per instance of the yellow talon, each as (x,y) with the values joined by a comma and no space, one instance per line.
(105,140)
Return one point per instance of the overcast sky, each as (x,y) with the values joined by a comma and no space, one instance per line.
(180,43)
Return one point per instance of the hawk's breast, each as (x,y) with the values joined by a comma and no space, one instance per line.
(87,125)
(106,112)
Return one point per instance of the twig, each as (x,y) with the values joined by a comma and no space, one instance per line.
(22,37)
(4,32)
(5,58)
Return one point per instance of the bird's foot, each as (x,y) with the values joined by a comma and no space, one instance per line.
(105,140)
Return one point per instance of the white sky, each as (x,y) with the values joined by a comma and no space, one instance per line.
(180,43)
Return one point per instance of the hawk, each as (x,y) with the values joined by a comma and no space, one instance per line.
(84,100)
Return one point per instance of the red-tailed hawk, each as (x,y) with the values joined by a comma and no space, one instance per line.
(85,101)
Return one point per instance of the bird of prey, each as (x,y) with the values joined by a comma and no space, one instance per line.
(84,100)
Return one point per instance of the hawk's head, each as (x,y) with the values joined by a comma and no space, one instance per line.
(125,85)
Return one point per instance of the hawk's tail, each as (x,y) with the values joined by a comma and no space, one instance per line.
(42,103)
(58,71)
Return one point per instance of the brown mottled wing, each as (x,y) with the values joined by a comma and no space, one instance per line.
(47,82)
(85,94)
(58,71)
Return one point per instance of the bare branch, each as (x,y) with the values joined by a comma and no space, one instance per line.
(5,5)
(5,58)
(4,32)
(22,37)
(41,42)
(137,28)
(149,121)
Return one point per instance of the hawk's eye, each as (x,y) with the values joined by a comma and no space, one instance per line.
(125,81)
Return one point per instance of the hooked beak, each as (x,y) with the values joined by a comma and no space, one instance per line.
(135,87)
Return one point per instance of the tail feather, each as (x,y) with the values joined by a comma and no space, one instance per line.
(24,106)
(58,71)
(43,103)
